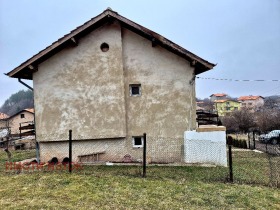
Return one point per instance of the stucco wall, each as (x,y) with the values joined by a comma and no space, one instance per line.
(167,104)
(87,90)
(81,88)
(166,107)
(252,104)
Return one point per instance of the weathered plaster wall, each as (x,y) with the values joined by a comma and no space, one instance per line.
(166,107)
(87,90)
(252,104)
(81,88)
(167,104)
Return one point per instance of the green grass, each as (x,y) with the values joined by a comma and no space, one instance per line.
(121,187)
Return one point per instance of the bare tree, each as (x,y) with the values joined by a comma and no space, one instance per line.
(230,123)
(240,120)
(268,119)
(208,105)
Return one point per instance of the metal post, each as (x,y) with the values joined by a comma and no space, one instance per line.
(70,151)
(144,154)
(20,130)
(37,152)
(254,139)
(249,140)
(230,158)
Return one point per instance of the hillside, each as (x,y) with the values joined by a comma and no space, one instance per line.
(16,102)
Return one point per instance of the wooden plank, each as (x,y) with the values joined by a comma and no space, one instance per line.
(27,127)
(28,133)
(209,128)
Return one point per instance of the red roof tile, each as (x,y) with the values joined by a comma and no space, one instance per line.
(30,110)
(245,98)
(219,94)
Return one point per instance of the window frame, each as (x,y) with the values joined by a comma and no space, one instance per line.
(133,141)
(133,86)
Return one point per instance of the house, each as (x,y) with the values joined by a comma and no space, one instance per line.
(218,96)
(20,119)
(12,127)
(251,102)
(225,107)
(109,81)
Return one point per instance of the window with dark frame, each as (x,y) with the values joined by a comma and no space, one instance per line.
(137,141)
(135,89)
(22,116)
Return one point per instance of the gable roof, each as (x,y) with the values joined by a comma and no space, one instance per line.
(219,94)
(26,69)
(245,98)
(30,110)
(3,116)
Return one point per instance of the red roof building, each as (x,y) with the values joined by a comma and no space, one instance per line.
(251,102)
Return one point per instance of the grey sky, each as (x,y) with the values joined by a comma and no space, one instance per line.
(242,37)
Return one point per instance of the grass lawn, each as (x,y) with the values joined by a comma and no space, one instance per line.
(121,187)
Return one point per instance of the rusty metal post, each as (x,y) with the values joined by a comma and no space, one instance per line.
(70,151)
(144,155)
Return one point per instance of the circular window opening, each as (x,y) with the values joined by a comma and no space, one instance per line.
(104,47)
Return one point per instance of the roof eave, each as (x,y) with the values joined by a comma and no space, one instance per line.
(26,69)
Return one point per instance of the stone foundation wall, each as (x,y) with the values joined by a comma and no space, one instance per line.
(159,150)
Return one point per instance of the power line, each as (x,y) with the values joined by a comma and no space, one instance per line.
(239,80)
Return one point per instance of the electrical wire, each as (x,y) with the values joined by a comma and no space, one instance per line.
(239,80)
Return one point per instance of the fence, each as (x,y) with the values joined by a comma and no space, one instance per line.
(253,166)
(122,157)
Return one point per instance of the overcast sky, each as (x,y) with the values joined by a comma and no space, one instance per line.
(241,37)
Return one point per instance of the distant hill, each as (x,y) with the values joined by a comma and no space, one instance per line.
(16,102)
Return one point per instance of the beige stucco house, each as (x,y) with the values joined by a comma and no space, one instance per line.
(20,119)
(110,80)
(251,103)
(14,122)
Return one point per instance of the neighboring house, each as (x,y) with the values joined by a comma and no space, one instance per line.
(218,96)
(21,117)
(110,80)
(251,102)
(225,107)
(10,127)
